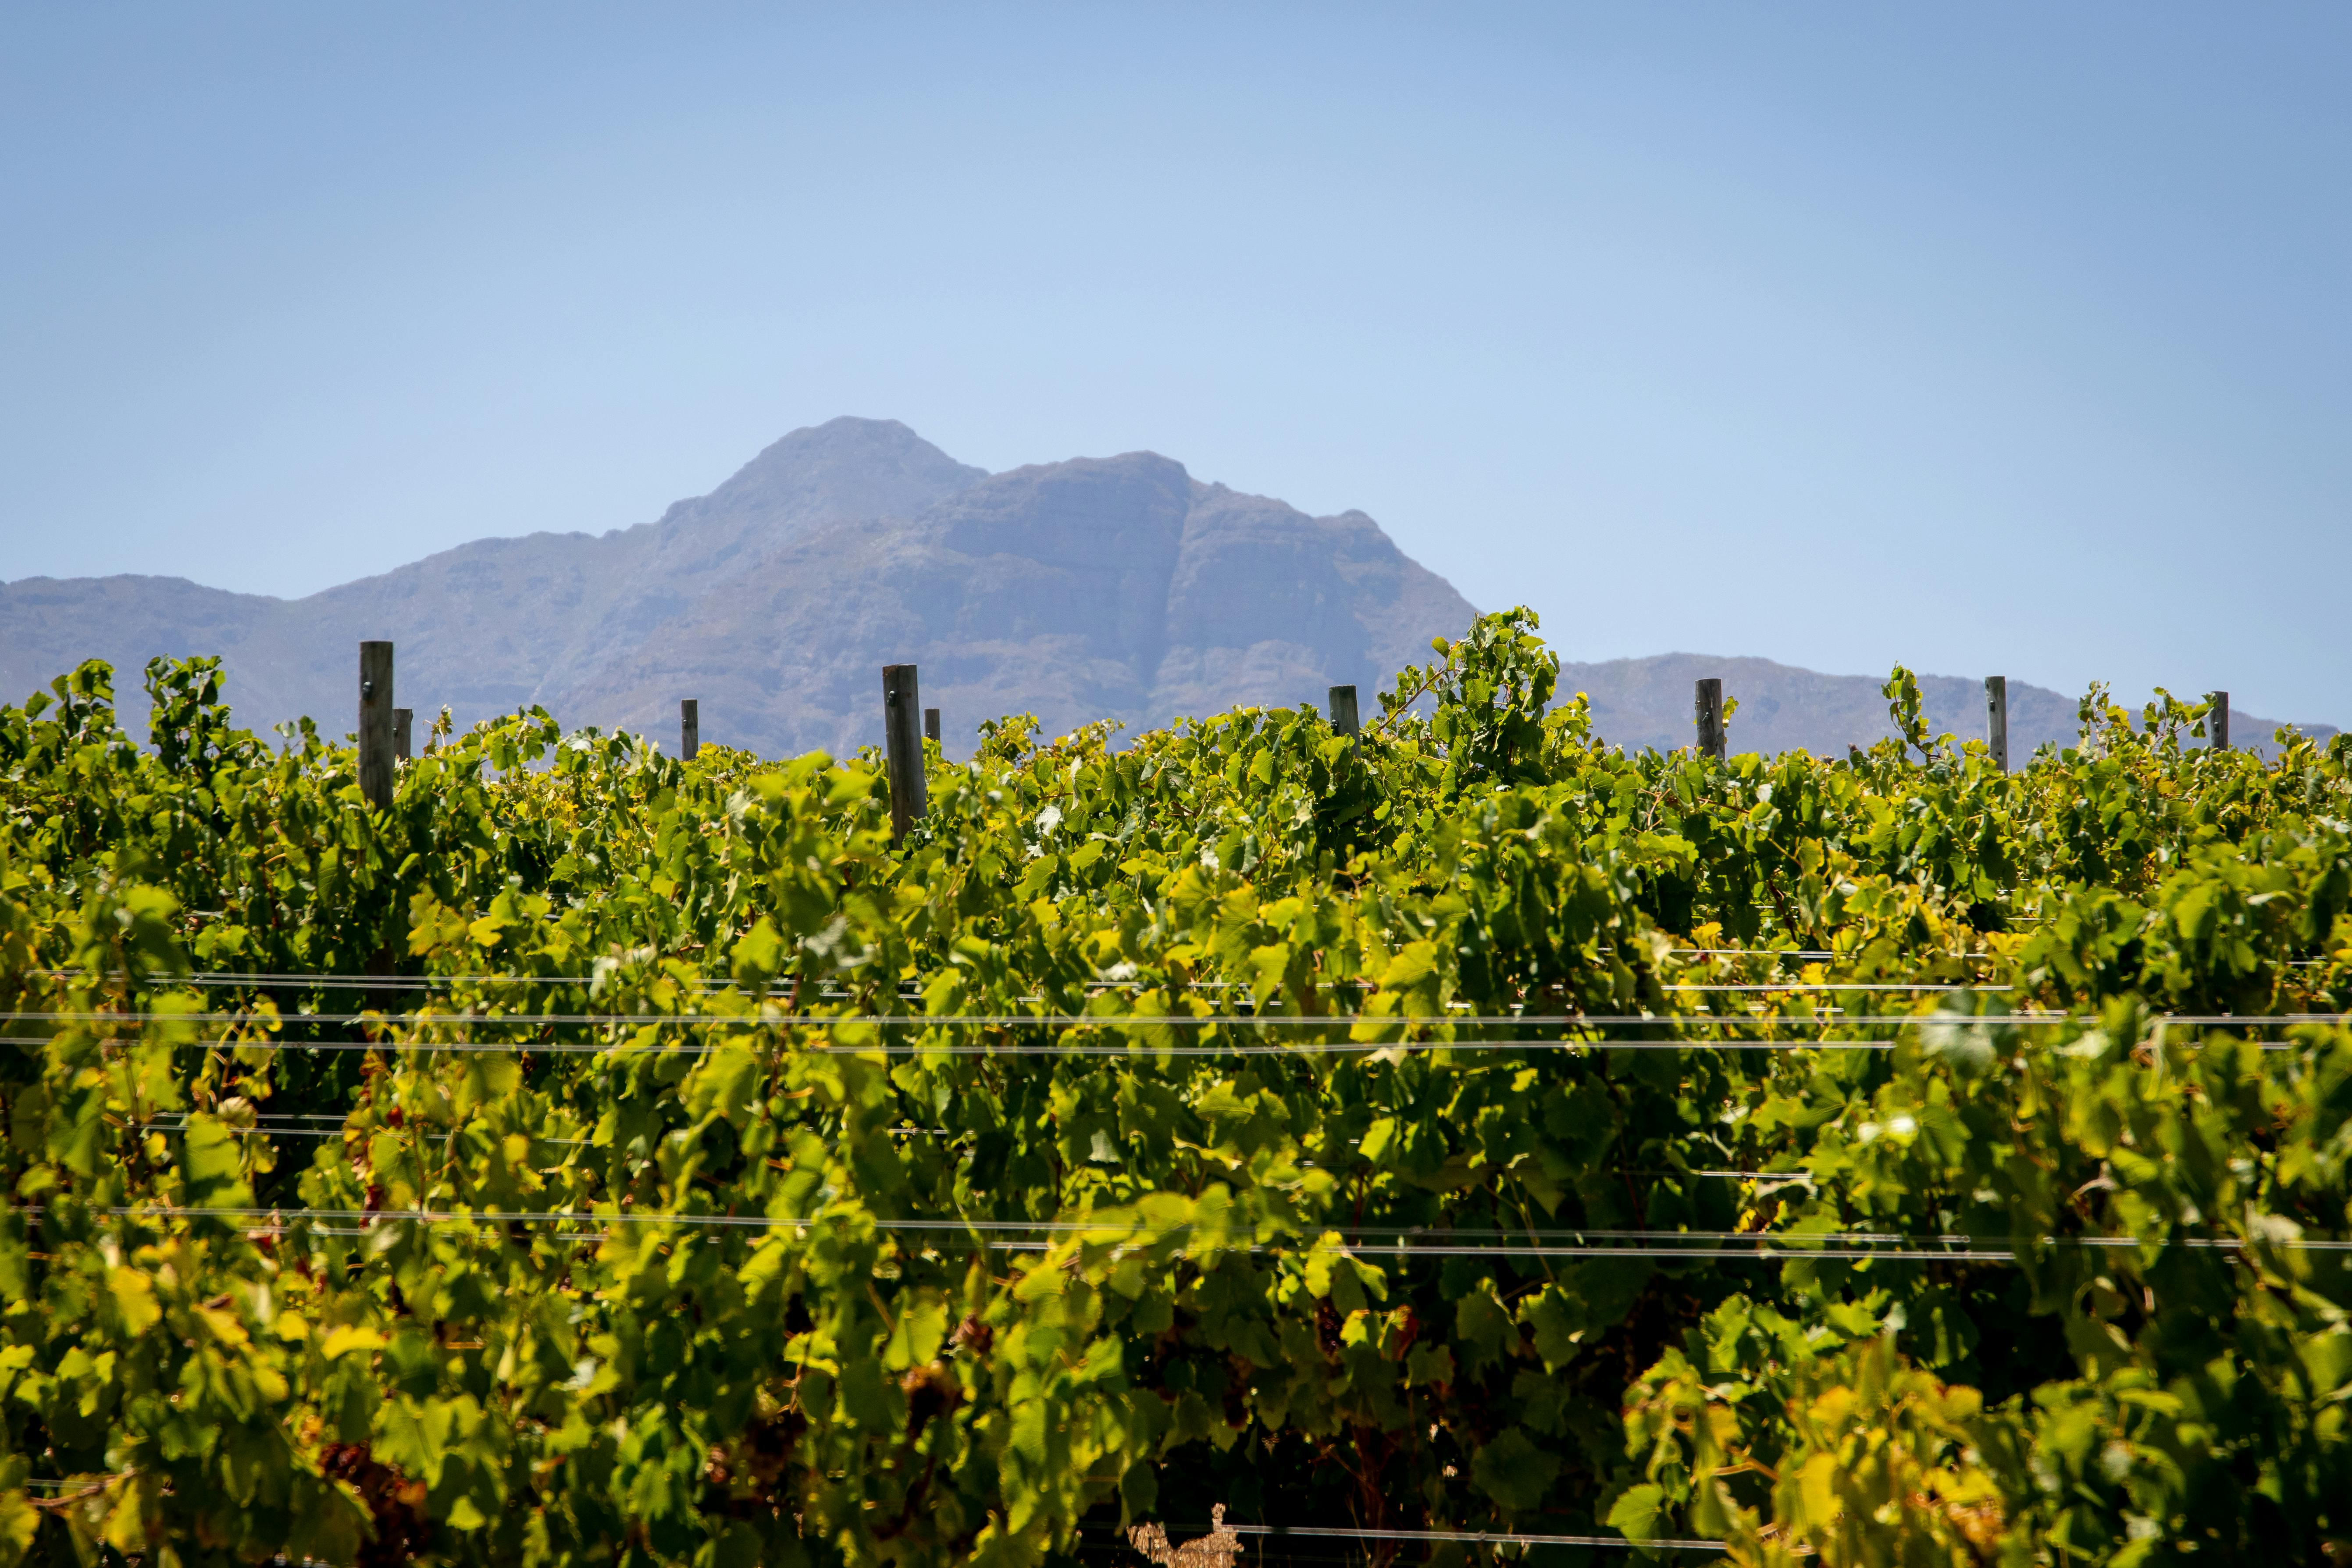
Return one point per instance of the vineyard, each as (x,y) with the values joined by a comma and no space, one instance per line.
(1456,1141)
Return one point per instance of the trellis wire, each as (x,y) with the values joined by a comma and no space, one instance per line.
(1770,1247)
(709,984)
(1466,1537)
(1172,1021)
(1489,1537)
(1122,1052)
(1080,1021)
(1130,1049)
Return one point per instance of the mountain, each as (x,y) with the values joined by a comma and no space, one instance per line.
(1100,588)
(1118,588)
(1115,587)
(1648,703)
(489,625)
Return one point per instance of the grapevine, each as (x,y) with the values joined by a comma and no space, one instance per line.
(1460,1127)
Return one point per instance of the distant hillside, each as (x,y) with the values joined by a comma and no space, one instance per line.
(489,625)
(1099,588)
(1117,587)
(1648,703)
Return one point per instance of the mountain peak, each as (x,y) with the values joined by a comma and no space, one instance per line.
(875,467)
(1115,587)
(1098,587)
(848,436)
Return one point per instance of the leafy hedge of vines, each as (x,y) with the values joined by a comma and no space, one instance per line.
(1124,1144)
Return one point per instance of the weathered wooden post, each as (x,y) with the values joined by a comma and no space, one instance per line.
(2217,723)
(1343,710)
(689,727)
(403,721)
(931,725)
(1708,701)
(902,717)
(375,723)
(1997,720)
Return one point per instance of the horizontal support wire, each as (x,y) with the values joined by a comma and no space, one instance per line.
(1124,1052)
(709,986)
(341,977)
(1127,1052)
(1836,985)
(1128,1049)
(1466,1537)
(340,1128)
(351,977)
(1765,1246)
(1132,1049)
(1170,1020)
(1478,1537)
(1079,1020)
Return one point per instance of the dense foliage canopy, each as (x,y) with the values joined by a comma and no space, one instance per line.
(1461,1127)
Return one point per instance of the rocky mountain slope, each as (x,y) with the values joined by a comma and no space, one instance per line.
(1117,587)
(1649,702)
(1097,588)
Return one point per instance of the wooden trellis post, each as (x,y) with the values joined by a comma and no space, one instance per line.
(902,718)
(1343,710)
(375,729)
(1708,701)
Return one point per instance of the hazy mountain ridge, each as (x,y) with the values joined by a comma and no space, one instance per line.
(1117,587)
(1649,702)
(1113,587)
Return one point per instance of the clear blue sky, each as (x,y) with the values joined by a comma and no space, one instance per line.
(1983,337)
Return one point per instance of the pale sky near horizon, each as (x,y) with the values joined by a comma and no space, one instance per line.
(1987,339)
